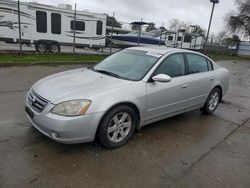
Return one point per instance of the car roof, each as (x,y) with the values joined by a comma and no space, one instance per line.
(158,49)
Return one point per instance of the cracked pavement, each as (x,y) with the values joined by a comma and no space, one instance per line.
(188,150)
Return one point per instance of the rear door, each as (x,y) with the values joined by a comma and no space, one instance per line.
(199,79)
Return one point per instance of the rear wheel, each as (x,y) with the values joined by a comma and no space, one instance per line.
(212,101)
(117,127)
(41,46)
(54,47)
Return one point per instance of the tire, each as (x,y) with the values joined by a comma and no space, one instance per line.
(41,47)
(109,134)
(212,101)
(54,47)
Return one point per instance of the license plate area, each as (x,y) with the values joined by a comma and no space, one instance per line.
(29,112)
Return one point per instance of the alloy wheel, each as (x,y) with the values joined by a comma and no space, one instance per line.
(213,102)
(119,127)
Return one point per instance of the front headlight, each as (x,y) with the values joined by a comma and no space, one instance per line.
(72,108)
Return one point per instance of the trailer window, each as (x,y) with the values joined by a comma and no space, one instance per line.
(99,28)
(170,38)
(80,26)
(187,38)
(55,23)
(41,22)
(179,38)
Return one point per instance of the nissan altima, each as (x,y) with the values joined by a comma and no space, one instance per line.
(127,90)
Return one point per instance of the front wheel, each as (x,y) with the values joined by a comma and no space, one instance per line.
(212,101)
(117,127)
(41,47)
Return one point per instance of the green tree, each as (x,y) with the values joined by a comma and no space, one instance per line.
(116,23)
(197,29)
(231,41)
(239,21)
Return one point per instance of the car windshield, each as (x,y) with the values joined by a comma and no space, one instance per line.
(128,64)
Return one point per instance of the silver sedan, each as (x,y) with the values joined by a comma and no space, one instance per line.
(127,90)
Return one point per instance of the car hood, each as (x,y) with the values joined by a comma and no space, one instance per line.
(76,84)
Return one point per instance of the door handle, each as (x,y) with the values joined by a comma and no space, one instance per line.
(184,86)
(212,79)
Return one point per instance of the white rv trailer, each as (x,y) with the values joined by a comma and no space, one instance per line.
(48,27)
(184,40)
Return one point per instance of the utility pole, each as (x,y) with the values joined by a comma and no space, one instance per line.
(19,27)
(211,17)
(139,34)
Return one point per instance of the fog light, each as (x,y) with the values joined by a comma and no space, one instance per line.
(55,135)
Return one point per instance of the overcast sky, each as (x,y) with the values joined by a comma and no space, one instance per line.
(158,11)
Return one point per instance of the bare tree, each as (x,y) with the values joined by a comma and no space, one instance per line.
(221,35)
(176,24)
(240,20)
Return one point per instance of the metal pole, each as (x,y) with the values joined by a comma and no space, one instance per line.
(210,21)
(160,39)
(111,38)
(139,34)
(19,26)
(175,39)
(74,37)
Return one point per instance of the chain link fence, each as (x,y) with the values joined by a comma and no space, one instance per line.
(132,34)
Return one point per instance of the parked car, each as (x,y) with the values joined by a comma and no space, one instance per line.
(127,90)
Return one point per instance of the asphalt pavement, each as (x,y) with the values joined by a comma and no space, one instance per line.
(188,150)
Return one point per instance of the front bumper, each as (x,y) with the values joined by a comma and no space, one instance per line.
(67,130)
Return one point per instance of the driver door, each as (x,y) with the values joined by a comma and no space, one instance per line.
(166,98)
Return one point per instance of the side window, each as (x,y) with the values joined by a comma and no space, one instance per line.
(55,23)
(210,66)
(170,38)
(173,66)
(80,26)
(179,38)
(41,22)
(99,28)
(197,63)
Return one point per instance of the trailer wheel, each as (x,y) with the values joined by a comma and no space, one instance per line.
(41,46)
(54,47)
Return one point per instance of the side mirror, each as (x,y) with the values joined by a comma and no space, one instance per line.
(161,78)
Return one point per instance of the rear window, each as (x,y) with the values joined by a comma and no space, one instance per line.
(197,64)
(210,65)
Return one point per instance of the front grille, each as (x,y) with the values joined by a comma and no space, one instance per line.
(37,102)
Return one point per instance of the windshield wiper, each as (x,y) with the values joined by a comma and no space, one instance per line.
(108,73)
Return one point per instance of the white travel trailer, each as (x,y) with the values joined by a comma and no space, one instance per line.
(48,27)
(184,40)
